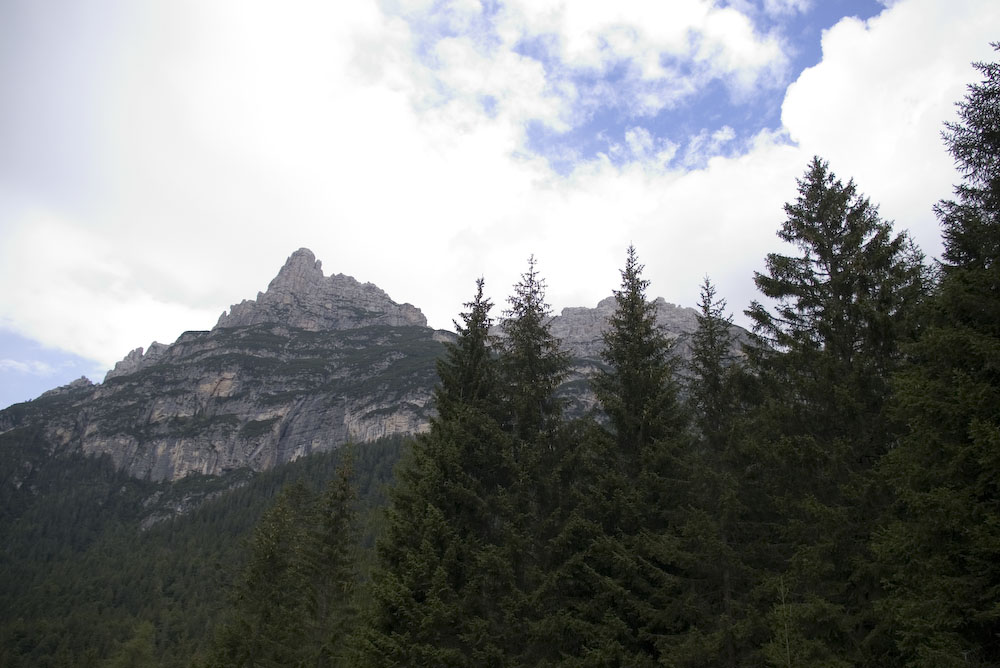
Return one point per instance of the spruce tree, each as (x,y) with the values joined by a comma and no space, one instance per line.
(294,603)
(609,595)
(718,524)
(842,307)
(265,626)
(532,362)
(328,568)
(444,590)
(941,547)
(638,391)
(711,366)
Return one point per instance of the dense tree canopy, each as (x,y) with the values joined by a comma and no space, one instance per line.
(843,307)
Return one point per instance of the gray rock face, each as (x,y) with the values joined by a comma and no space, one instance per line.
(311,364)
(80,383)
(300,296)
(246,397)
(136,360)
(580,328)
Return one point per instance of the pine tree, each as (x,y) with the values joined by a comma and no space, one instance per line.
(546,454)
(265,627)
(532,364)
(445,590)
(638,391)
(718,524)
(843,306)
(294,603)
(608,595)
(328,568)
(712,360)
(941,547)
(467,374)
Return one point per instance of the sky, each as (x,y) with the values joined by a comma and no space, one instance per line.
(159,160)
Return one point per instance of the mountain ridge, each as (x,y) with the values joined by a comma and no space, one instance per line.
(310,364)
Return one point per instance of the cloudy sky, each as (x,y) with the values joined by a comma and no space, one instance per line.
(160,160)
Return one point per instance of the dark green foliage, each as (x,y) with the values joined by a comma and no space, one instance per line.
(80,576)
(718,529)
(294,603)
(467,373)
(843,307)
(638,392)
(941,545)
(609,568)
(265,629)
(712,365)
(445,590)
(532,364)
(138,652)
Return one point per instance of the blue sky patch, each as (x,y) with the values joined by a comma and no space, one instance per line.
(28,369)
(612,99)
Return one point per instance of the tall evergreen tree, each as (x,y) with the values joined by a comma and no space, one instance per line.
(843,306)
(711,366)
(328,567)
(717,523)
(546,452)
(941,547)
(468,371)
(532,362)
(638,391)
(265,627)
(445,591)
(295,601)
(609,596)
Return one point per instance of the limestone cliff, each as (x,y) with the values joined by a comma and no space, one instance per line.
(311,363)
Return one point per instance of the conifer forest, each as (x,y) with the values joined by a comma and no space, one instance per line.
(824,495)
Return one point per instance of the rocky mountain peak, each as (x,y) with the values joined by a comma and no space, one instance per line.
(301,296)
(301,273)
(311,363)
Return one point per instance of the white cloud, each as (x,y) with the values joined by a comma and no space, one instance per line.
(29,367)
(875,105)
(518,84)
(232,134)
(640,141)
(668,51)
(706,145)
(785,7)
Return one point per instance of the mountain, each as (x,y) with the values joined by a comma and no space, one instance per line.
(310,364)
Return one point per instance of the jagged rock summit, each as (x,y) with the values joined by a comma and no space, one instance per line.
(300,296)
(310,364)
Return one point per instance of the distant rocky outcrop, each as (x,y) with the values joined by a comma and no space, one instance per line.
(581,328)
(581,331)
(310,364)
(300,296)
